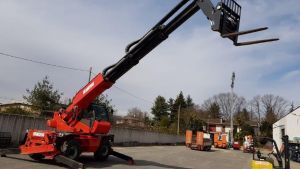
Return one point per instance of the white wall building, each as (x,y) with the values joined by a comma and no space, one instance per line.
(288,125)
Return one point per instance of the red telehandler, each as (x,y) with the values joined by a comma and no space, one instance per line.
(72,135)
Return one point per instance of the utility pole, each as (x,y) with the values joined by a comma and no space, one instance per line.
(231,106)
(208,130)
(178,119)
(90,73)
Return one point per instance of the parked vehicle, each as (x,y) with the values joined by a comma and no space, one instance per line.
(248,144)
(220,140)
(200,141)
(236,145)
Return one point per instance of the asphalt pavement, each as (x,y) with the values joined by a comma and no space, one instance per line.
(168,157)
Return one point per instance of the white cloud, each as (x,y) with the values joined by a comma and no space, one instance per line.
(291,75)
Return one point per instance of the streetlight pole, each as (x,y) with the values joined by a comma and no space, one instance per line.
(231,106)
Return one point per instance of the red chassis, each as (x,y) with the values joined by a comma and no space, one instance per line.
(70,132)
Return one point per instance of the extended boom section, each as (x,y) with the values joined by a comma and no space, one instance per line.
(224,18)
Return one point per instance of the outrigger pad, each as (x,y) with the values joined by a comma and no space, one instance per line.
(69,162)
(129,160)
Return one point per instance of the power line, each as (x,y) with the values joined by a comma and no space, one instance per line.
(70,68)
(129,93)
(43,63)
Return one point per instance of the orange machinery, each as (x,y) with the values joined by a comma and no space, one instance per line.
(201,142)
(220,140)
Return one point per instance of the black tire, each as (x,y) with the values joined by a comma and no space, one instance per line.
(207,148)
(22,142)
(37,157)
(103,152)
(71,149)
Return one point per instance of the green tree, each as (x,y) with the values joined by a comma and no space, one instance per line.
(190,119)
(197,125)
(214,111)
(164,122)
(189,101)
(172,110)
(246,129)
(180,100)
(43,95)
(160,108)
(242,117)
(266,129)
(147,120)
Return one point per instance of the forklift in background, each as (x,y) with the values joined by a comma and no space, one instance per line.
(71,136)
(269,156)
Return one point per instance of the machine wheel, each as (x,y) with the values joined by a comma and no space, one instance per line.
(24,139)
(103,152)
(37,157)
(207,148)
(71,149)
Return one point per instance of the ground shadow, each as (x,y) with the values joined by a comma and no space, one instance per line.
(91,163)
(210,151)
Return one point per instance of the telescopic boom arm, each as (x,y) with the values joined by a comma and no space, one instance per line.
(224,18)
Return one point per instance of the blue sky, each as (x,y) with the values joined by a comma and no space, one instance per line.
(194,59)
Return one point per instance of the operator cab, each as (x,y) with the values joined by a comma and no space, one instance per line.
(95,112)
(100,112)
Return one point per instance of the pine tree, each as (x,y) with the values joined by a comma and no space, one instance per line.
(172,111)
(189,101)
(214,111)
(180,100)
(160,108)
